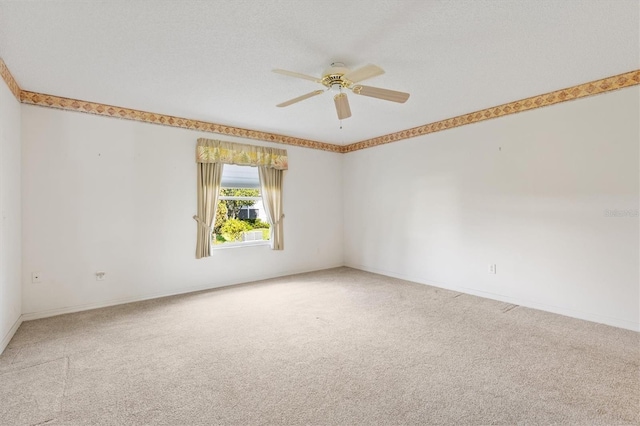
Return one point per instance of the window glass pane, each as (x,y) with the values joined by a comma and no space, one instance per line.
(240,216)
(234,176)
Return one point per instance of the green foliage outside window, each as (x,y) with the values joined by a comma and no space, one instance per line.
(228,227)
(233,229)
(234,206)
(258,224)
(221,216)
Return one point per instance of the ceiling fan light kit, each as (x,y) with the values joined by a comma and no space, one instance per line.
(338,77)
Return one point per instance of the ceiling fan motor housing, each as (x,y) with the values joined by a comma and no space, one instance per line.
(332,76)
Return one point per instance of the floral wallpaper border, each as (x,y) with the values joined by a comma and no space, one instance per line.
(9,80)
(608,84)
(58,102)
(631,78)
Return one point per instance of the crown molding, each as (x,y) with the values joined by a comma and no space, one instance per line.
(11,82)
(604,85)
(608,84)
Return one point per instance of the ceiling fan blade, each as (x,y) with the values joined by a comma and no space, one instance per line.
(376,92)
(300,98)
(298,75)
(368,71)
(342,106)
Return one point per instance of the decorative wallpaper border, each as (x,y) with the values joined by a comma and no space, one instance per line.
(608,84)
(9,80)
(67,104)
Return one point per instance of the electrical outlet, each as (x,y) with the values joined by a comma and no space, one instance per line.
(101,276)
(492,268)
(36,277)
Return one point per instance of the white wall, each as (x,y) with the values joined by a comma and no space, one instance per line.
(119,196)
(527,192)
(10,252)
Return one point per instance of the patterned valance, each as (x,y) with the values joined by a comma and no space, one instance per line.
(215,151)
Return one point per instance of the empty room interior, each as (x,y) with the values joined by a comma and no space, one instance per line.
(319,212)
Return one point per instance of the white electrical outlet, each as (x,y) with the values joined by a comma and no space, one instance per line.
(36,277)
(492,268)
(101,276)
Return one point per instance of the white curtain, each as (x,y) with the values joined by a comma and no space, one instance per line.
(271,188)
(209,177)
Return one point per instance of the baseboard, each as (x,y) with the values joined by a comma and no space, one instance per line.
(7,338)
(28,316)
(615,322)
(587,316)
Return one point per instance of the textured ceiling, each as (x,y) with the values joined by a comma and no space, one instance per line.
(212,60)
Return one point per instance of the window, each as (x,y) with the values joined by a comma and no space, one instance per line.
(212,159)
(240,216)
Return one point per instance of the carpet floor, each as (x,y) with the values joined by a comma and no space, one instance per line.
(335,347)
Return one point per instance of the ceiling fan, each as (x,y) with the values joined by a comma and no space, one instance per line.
(337,78)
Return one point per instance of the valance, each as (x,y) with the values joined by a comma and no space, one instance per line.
(215,151)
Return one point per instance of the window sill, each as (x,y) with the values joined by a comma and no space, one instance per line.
(243,244)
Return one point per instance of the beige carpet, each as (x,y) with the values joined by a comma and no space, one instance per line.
(339,347)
